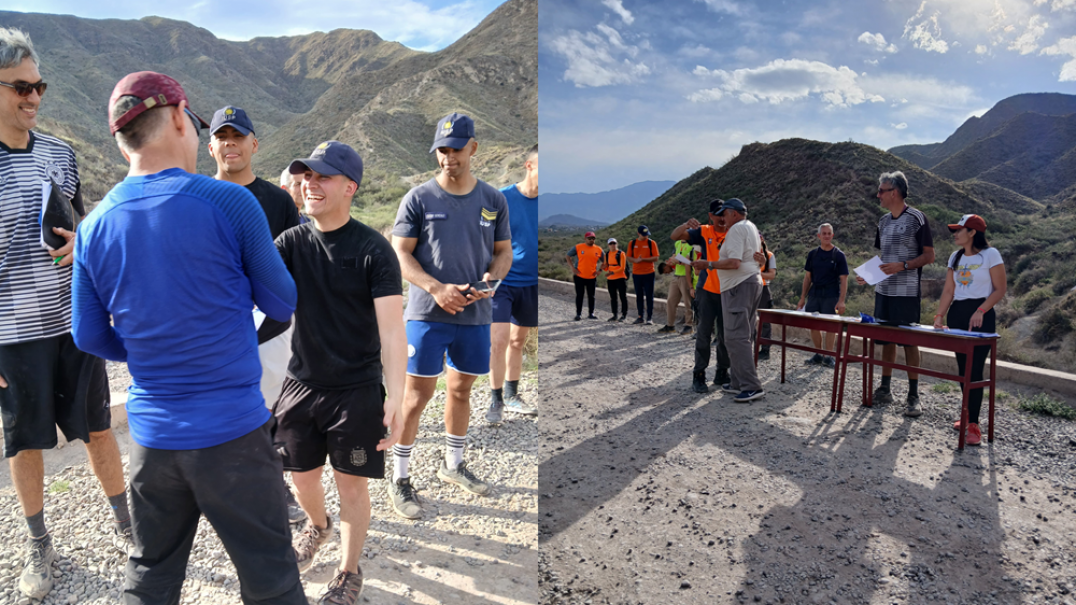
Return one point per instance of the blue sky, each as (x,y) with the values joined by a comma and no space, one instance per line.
(634,91)
(420,24)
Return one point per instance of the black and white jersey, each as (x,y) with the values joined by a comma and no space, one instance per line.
(902,239)
(35,294)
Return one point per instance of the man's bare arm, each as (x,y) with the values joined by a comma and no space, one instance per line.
(390,327)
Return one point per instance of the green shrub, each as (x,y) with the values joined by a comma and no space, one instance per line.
(1042,403)
(1034,299)
(942,387)
(1053,325)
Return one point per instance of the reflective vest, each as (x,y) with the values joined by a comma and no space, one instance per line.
(687,251)
(713,254)
(587,262)
(616,266)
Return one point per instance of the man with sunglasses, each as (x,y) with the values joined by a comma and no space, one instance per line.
(45,380)
(170,265)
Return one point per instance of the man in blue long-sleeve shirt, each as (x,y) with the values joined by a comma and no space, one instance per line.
(176,261)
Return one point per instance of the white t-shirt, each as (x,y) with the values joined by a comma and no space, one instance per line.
(972,277)
(741,242)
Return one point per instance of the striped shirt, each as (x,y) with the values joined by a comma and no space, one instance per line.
(902,239)
(35,295)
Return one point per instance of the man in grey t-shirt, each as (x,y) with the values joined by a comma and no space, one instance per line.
(450,232)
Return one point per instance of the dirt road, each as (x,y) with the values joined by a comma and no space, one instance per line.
(650,493)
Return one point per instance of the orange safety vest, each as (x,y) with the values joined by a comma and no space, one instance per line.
(588,256)
(713,254)
(643,268)
(617,266)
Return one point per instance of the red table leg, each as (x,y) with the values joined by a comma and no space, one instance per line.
(783,329)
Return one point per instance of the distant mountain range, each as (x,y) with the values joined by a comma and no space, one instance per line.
(568,220)
(380,97)
(605,207)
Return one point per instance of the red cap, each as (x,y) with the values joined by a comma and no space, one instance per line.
(153,88)
(970,221)
(589,234)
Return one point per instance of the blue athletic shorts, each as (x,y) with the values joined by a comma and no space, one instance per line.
(428,341)
(516,304)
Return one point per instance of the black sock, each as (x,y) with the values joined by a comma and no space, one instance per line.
(119,510)
(498,394)
(913,387)
(36,524)
(885,382)
(511,388)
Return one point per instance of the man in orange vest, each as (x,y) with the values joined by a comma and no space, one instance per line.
(583,260)
(708,294)
(642,252)
(615,265)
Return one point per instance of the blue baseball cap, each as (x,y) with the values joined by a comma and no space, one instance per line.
(454,130)
(234,117)
(732,204)
(643,230)
(331,157)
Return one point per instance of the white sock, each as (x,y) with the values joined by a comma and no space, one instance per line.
(401,459)
(454,446)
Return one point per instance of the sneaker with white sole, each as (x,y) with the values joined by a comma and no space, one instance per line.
(495,413)
(747,396)
(727,387)
(344,589)
(123,540)
(36,579)
(403,498)
(307,542)
(914,408)
(463,477)
(516,405)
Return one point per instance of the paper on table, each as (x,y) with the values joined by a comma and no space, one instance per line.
(871,271)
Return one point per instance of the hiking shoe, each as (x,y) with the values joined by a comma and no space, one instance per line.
(516,405)
(815,360)
(403,498)
(638,320)
(914,409)
(36,579)
(727,387)
(307,542)
(763,354)
(578,318)
(721,378)
(613,318)
(296,514)
(649,321)
(974,436)
(344,589)
(463,477)
(698,383)
(829,362)
(882,395)
(592,316)
(123,540)
(495,413)
(666,329)
(747,396)
(687,331)
(623,318)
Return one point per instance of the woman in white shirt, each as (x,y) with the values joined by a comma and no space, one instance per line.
(974,283)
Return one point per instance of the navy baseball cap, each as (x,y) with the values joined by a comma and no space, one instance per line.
(234,117)
(643,230)
(331,157)
(454,130)
(732,204)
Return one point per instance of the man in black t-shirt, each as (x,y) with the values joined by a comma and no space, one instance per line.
(349,320)
(825,287)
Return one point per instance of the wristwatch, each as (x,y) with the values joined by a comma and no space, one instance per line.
(905,265)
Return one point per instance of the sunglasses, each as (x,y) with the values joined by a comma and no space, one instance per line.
(197,123)
(23,89)
(881,190)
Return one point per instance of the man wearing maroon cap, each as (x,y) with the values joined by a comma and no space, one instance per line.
(170,265)
(584,260)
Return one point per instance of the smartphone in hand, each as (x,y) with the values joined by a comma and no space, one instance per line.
(486,287)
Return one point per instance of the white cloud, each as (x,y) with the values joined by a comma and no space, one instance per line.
(1057,5)
(724,6)
(877,42)
(900,126)
(1064,46)
(617,6)
(595,61)
(695,51)
(925,34)
(1028,42)
(786,80)
(980,49)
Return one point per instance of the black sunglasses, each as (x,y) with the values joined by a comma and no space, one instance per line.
(881,190)
(194,118)
(23,89)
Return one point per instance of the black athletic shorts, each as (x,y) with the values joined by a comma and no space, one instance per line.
(896,311)
(346,425)
(51,383)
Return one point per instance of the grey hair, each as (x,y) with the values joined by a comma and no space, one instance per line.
(896,179)
(824,225)
(143,128)
(285,178)
(15,45)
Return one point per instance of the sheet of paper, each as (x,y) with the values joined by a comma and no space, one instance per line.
(46,191)
(953,332)
(259,317)
(871,271)
(683,260)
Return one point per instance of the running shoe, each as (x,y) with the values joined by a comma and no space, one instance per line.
(517,405)
(666,329)
(495,414)
(404,500)
(638,320)
(463,477)
(748,396)
(974,436)
(914,409)
(882,395)
(307,542)
(36,579)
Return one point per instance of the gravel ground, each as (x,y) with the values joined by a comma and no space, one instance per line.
(466,548)
(656,494)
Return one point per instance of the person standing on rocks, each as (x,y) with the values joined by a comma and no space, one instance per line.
(741,290)
(233,143)
(711,330)
(642,252)
(451,232)
(974,282)
(584,259)
(294,186)
(348,322)
(45,380)
(515,303)
(904,237)
(825,286)
(679,288)
(170,264)
(615,266)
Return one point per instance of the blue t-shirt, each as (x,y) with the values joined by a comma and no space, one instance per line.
(177,261)
(826,270)
(523,218)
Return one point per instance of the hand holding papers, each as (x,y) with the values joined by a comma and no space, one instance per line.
(683,260)
(56,211)
(871,271)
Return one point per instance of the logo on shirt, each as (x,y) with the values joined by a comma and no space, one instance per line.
(436,216)
(488,216)
(55,173)
(964,276)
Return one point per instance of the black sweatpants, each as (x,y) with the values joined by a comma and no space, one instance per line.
(644,293)
(583,284)
(959,317)
(618,288)
(766,302)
